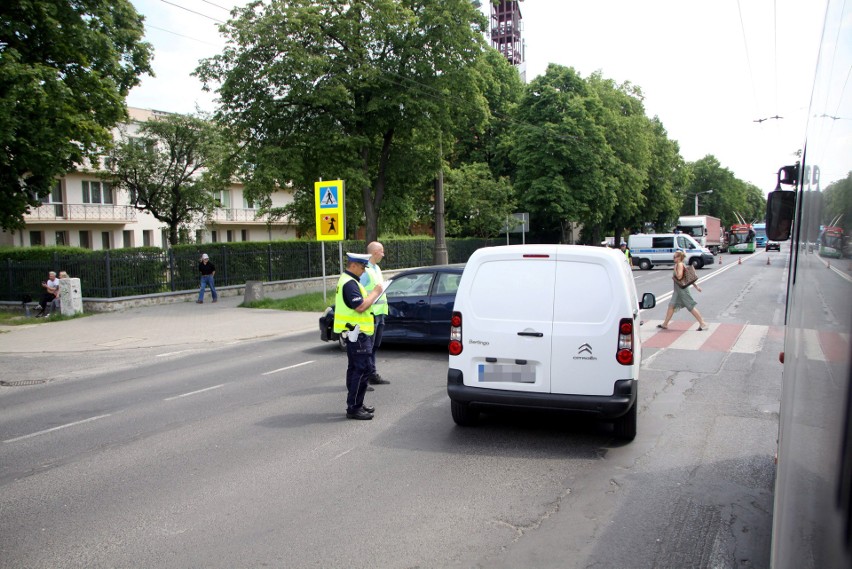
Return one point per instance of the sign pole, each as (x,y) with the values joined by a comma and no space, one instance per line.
(324,296)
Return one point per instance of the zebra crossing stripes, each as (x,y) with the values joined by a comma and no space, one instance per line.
(819,345)
(751,339)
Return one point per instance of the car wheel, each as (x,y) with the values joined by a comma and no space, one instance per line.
(625,427)
(645,264)
(696,262)
(463,414)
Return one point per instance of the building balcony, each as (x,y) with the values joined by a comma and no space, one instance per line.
(82,213)
(237,216)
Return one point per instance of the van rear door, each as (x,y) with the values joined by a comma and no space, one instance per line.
(591,299)
(507,313)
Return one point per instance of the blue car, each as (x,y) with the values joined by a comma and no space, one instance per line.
(420,304)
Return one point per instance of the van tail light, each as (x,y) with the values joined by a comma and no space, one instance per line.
(455,347)
(624,353)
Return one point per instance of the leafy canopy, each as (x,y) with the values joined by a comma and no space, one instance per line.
(66,67)
(346,89)
(173,167)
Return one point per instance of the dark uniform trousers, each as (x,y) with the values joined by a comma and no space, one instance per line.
(358,371)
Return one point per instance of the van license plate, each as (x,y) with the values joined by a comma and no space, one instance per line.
(507,373)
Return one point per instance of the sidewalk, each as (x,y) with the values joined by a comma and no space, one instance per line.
(169,325)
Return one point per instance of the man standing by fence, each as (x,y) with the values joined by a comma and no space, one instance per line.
(207,270)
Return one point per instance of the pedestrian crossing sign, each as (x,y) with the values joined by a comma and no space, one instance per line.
(330,215)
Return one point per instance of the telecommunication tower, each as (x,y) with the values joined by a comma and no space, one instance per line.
(506,28)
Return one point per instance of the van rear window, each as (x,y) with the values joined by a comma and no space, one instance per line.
(584,293)
(514,289)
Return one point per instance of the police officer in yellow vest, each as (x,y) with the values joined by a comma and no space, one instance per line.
(352,314)
(371,277)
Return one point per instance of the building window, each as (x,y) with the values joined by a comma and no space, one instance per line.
(147,237)
(97,192)
(36,238)
(222,198)
(214,237)
(127,238)
(230,236)
(244,234)
(199,236)
(105,240)
(62,238)
(85,241)
(248,204)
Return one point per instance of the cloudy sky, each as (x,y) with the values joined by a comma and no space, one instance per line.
(707,68)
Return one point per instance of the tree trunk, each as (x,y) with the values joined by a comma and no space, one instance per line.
(372,197)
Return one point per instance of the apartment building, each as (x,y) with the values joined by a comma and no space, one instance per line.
(83,210)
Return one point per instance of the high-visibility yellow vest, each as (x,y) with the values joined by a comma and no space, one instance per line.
(375,277)
(344,315)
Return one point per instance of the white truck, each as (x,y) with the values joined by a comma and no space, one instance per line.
(705,229)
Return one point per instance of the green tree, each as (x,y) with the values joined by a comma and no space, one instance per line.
(66,67)
(837,200)
(666,173)
(731,196)
(477,205)
(173,167)
(340,86)
(562,156)
(502,88)
(629,135)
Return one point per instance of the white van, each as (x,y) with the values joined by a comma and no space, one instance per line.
(547,327)
(649,249)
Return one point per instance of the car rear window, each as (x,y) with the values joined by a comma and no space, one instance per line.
(584,293)
(514,289)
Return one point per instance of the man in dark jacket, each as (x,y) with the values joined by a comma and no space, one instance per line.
(207,270)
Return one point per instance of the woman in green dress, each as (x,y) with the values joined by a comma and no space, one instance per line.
(681,298)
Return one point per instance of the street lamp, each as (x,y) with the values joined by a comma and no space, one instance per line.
(696,199)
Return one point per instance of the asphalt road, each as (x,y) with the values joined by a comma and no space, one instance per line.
(239,455)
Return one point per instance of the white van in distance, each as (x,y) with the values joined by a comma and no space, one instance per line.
(547,327)
(649,249)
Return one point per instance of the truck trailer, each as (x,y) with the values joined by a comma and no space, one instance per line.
(705,229)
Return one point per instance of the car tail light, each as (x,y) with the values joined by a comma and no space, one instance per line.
(624,353)
(455,347)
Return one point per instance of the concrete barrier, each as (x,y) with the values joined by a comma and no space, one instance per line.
(253,292)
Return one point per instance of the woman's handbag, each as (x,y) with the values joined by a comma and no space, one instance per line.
(688,277)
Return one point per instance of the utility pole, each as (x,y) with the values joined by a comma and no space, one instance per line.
(440,253)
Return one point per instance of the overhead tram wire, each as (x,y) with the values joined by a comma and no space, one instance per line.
(775,48)
(193,11)
(217,5)
(181,35)
(748,58)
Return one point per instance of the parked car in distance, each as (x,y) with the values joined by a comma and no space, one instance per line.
(773,246)
(420,305)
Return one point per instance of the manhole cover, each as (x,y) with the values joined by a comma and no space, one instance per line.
(22,383)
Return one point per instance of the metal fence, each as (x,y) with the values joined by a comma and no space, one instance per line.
(130,272)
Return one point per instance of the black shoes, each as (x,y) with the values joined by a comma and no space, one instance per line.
(377,380)
(360,415)
(368,408)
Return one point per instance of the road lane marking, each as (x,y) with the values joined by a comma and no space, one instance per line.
(288,367)
(194,392)
(171,353)
(44,432)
